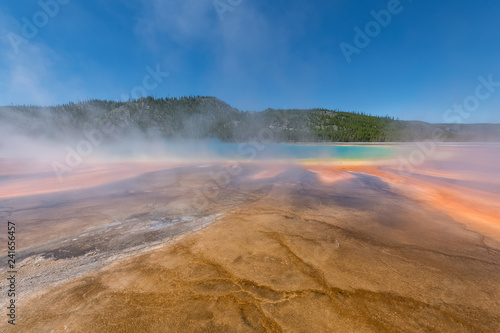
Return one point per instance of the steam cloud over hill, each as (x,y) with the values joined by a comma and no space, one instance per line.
(200,118)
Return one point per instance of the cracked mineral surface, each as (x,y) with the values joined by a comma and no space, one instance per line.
(277,247)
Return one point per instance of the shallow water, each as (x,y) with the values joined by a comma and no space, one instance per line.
(272,152)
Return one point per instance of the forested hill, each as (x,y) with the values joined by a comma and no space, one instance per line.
(210,118)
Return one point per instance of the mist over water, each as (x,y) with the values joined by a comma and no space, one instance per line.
(92,134)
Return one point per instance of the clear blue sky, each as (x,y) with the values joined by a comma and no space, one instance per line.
(279,54)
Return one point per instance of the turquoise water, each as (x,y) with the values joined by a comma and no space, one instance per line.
(249,151)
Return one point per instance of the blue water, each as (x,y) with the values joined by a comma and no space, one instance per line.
(257,151)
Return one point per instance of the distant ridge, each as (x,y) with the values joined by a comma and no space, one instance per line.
(196,118)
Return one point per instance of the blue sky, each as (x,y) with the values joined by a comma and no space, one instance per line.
(258,54)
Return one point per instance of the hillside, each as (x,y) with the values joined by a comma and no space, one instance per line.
(210,118)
